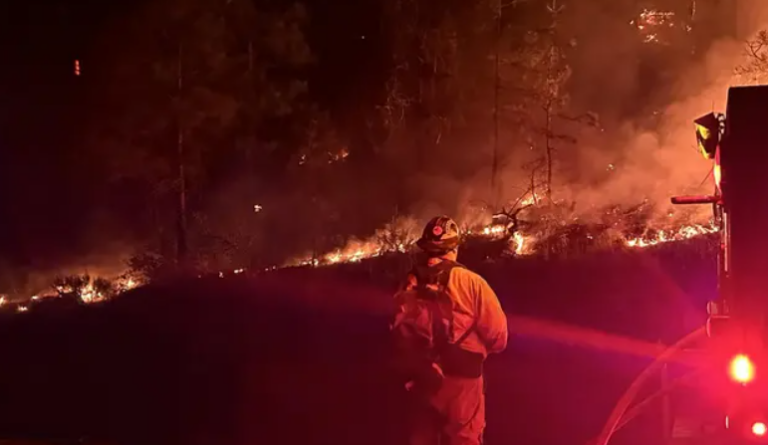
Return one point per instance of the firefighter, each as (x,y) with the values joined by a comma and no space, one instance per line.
(454,409)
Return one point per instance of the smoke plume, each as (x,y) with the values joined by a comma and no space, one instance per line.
(649,154)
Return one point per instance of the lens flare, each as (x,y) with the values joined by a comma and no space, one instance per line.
(718,173)
(742,369)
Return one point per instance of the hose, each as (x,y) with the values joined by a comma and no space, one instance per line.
(639,407)
(621,407)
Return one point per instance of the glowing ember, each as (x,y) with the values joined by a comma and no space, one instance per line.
(338,156)
(494,230)
(651,38)
(651,17)
(650,22)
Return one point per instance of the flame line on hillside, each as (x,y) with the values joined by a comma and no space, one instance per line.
(521,244)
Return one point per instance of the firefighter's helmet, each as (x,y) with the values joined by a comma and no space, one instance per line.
(440,236)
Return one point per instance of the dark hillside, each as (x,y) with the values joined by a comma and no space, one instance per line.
(297,356)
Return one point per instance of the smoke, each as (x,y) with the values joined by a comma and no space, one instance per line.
(752,17)
(646,95)
(649,153)
(647,87)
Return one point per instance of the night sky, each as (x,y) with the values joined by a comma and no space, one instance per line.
(48,188)
(42,116)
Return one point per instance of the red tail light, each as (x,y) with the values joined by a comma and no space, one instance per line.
(742,369)
(759,429)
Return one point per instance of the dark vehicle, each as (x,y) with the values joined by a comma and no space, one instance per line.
(737,325)
(724,400)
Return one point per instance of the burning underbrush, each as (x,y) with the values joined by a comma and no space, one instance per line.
(530,229)
(533,228)
(77,288)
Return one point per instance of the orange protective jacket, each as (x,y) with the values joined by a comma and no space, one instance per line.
(474,300)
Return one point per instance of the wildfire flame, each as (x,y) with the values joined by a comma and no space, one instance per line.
(91,293)
(665,236)
(520,243)
(398,236)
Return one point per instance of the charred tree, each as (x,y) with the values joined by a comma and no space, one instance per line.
(181,235)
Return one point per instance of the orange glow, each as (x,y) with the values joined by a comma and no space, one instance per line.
(716,170)
(759,429)
(521,243)
(742,369)
(77,67)
(717,173)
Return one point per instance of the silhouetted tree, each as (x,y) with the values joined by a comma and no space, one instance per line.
(197,82)
(755,67)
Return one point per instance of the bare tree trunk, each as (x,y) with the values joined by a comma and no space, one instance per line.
(250,126)
(549,149)
(553,94)
(250,57)
(181,235)
(496,92)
